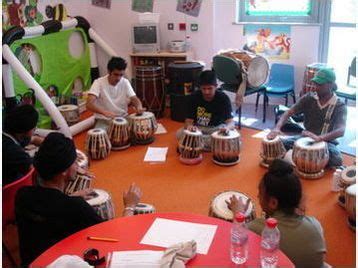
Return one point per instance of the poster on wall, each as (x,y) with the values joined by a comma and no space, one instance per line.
(189,7)
(271,41)
(142,5)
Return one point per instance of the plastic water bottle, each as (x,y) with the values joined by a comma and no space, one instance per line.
(239,240)
(270,242)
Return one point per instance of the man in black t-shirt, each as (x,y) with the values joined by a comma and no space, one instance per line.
(208,109)
(19,126)
(44,214)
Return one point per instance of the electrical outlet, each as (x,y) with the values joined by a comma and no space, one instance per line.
(182,26)
(171,26)
(194,27)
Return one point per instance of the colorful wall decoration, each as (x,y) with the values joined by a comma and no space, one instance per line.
(189,7)
(271,41)
(142,5)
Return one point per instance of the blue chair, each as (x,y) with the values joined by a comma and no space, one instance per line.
(281,84)
(228,71)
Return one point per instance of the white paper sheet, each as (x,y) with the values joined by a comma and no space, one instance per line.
(161,129)
(165,233)
(156,154)
(136,258)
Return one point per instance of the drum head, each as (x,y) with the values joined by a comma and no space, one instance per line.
(351,190)
(309,143)
(221,209)
(120,121)
(67,107)
(349,175)
(266,140)
(144,115)
(192,133)
(231,134)
(145,207)
(101,197)
(258,71)
(96,131)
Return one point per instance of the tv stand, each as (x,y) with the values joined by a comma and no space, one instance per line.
(162,58)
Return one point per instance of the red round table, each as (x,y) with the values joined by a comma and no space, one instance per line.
(130,231)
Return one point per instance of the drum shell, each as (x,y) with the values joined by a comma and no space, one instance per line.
(272,149)
(105,208)
(226,150)
(143,208)
(97,144)
(118,133)
(191,145)
(71,113)
(142,128)
(81,182)
(350,201)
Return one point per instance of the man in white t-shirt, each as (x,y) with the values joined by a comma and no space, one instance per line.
(110,95)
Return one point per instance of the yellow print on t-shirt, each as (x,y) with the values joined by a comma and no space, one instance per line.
(202,116)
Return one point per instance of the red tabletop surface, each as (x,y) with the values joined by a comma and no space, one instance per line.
(130,231)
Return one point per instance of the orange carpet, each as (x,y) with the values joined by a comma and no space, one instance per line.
(174,187)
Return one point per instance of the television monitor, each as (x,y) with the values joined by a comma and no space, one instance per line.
(145,38)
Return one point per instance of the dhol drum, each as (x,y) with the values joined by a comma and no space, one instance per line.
(226,147)
(149,87)
(71,113)
(310,72)
(142,127)
(219,208)
(81,182)
(351,206)
(256,67)
(348,178)
(310,157)
(271,149)
(118,133)
(190,147)
(82,159)
(143,208)
(97,144)
(102,204)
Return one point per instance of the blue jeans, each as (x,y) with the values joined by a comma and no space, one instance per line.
(335,156)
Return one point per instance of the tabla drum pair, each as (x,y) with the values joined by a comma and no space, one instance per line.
(71,113)
(118,133)
(310,157)
(102,203)
(350,200)
(256,67)
(219,208)
(347,178)
(98,145)
(226,147)
(142,127)
(149,87)
(143,208)
(271,149)
(191,146)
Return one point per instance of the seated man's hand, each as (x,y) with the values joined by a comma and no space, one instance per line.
(85,194)
(132,196)
(273,134)
(192,128)
(36,140)
(109,114)
(140,110)
(313,136)
(238,205)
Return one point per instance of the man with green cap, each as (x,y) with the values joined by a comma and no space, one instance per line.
(324,116)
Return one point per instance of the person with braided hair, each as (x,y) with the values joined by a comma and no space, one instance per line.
(280,196)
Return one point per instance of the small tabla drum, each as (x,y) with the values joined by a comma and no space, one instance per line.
(102,204)
(142,127)
(271,150)
(143,208)
(82,159)
(190,147)
(225,146)
(81,182)
(351,206)
(310,72)
(97,144)
(219,208)
(348,178)
(149,85)
(71,113)
(256,67)
(118,133)
(310,157)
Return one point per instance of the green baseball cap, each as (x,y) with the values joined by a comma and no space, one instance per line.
(323,76)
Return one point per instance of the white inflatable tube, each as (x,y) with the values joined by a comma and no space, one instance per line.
(69,24)
(31,32)
(43,132)
(93,56)
(39,92)
(83,125)
(102,44)
(8,82)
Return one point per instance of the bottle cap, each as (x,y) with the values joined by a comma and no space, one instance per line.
(271,222)
(240,217)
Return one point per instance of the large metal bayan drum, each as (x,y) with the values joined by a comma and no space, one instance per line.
(219,208)
(118,133)
(351,205)
(256,67)
(271,149)
(226,147)
(149,87)
(142,127)
(71,113)
(310,157)
(102,204)
(190,147)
